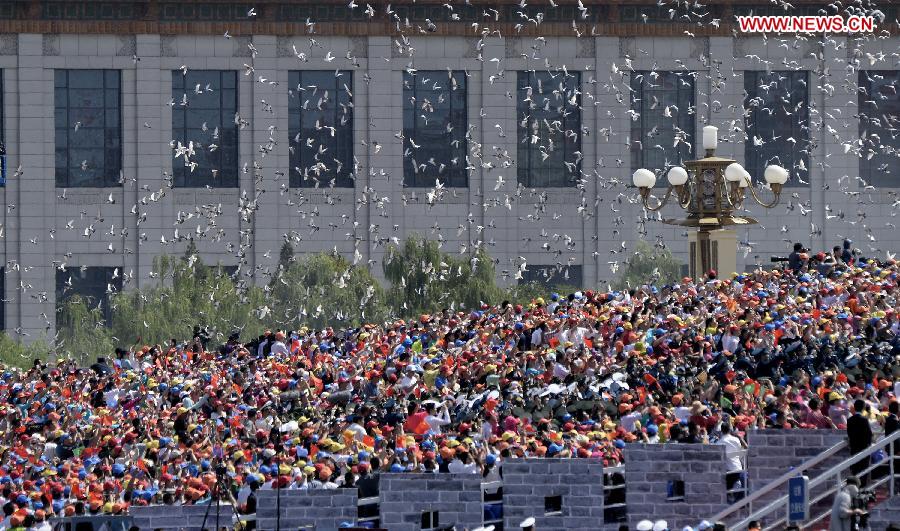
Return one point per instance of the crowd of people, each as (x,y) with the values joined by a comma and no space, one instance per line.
(577,375)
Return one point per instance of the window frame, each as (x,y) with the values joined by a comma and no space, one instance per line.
(869,169)
(181,175)
(452,177)
(111,176)
(754,162)
(556,275)
(526,172)
(685,120)
(346,178)
(63,292)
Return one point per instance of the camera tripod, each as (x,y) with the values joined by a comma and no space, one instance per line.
(217,492)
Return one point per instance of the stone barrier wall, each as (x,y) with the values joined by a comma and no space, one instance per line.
(884,514)
(181,517)
(456,498)
(771,453)
(527,483)
(322,510)
(650,469)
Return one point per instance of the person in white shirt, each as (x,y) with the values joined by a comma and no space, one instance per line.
(435,422)
(462,464)
(278,347)
(733,449)
(730,339)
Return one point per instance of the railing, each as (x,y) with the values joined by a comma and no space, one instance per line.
(737,489)
(781,481)
(832,477)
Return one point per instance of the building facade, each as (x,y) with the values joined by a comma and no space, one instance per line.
(132,128)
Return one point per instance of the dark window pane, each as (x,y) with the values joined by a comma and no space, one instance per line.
(553,276)
(879,127)
(93,284)
(548,112)
(434,128)
(662,125)
(321,128)
(87,118)
(777,123)
(206,123)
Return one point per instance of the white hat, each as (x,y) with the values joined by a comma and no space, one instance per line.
(661,525)
(528,522)
(645,525)
(687,528)
(704,525)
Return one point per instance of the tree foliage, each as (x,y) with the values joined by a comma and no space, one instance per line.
(425,279)
(189,294)
(18,354)
(83,334)
(325,289)
(648,265)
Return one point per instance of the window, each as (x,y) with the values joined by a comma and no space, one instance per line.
(430,520)
(549,116)
(662,124)
(88,128)
(321,128)
(553,276)
(675,490)
(204,115)
(777,123)
(435,122)
(93,284)
(879,127)
(552,505)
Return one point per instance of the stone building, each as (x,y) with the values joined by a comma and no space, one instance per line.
(97,96)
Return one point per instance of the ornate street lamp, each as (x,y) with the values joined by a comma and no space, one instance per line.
(710,190)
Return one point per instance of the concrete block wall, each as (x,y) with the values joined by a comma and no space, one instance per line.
(491,212)
(181,517)
(771,453)
(650,467)
(456,497)
(526,482)
(885,513)
(322,510)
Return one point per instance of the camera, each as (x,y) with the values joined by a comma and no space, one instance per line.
(776,259)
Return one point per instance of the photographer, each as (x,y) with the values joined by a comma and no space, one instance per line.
(846,510)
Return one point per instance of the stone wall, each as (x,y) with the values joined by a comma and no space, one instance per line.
(322,510)
(183,518)
(771,453)
(650,467)
(457,498)
(527,482)
(885,513)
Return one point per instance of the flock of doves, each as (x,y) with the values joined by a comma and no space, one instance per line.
(877,135)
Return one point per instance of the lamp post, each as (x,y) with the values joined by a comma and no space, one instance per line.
(710,190)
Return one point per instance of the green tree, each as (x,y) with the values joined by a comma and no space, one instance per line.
(424,279)
(648,265)
(83,334)
(17,354)
(189,294)
(325,289)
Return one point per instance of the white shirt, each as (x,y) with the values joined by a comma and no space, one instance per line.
(682,413)
(435,423)
(733,450)
(537,337)
(279,348)
(457,467)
